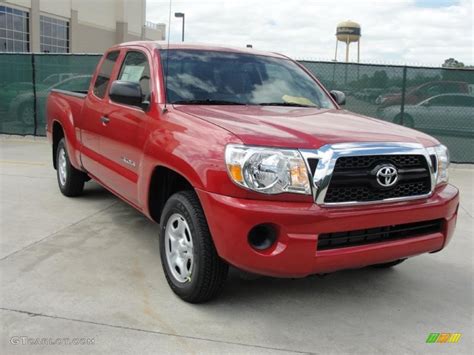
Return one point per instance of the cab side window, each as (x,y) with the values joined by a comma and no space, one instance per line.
(136,69)
(102,81)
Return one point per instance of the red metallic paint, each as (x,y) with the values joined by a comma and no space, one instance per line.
(282,126)
(191,141)
(64,110)
(299,224)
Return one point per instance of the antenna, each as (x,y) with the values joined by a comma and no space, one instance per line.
(165,109)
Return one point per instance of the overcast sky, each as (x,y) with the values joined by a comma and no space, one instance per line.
(393,31)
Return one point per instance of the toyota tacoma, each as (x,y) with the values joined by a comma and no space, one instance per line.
(245,159)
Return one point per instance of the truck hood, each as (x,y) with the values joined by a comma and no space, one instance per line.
(301,127)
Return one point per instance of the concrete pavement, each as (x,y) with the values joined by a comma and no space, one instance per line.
(89,268)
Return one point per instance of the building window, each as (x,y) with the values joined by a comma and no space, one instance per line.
(54,35)
(14,30)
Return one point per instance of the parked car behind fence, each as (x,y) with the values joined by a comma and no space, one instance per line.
(447,114)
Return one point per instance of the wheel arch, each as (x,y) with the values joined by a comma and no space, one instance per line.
(164,182)
(58,134)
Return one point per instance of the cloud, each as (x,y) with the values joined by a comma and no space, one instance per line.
(393,31)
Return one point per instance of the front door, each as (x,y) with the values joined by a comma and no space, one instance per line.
(122,142)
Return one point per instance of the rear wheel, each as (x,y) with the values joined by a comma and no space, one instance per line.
(388,265)
(70,180)
(26,114)
(192,267)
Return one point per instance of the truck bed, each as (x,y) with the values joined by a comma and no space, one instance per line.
(81,94)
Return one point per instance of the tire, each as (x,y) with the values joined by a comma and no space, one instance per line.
(70,180)
(26,114)
(388,265)
(407,121)
(192,267)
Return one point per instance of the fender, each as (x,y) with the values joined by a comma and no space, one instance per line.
(63,111)
(177,142)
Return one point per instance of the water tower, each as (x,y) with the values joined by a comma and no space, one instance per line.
(348,32)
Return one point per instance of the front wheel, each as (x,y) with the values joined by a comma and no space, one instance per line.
(192,267)
(70,180)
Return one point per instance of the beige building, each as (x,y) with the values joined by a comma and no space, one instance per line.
(73,26)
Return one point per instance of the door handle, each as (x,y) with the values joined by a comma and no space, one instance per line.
(104,120)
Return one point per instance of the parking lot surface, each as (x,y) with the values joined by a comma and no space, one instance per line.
(88,268)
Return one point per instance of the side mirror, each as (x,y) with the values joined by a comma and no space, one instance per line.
(127,93)
(339,97)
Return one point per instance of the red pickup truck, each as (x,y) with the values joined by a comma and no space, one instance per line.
(244,159)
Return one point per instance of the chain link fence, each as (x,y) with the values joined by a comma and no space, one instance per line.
(437,101)
(25,81)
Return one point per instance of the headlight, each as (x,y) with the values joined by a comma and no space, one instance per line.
(442,159)
(267,170)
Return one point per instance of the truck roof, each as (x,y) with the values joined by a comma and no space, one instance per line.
(197,46)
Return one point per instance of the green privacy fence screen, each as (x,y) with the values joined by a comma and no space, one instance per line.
(26,79)
(437,101)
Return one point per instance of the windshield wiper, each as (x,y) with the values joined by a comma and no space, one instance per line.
(285,104)
(206,102)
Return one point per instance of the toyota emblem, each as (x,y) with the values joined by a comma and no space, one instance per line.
(387,175)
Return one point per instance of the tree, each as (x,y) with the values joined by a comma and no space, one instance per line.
(452,63)
(379,79)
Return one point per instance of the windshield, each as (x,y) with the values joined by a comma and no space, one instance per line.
(223,78)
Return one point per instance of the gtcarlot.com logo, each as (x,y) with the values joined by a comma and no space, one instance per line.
(443,338)
(24,340)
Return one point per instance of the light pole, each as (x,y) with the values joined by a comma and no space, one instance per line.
(180,14)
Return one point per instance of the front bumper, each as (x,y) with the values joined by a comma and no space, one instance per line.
(295,253)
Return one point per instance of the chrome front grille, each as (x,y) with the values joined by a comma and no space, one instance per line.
(346,174)
(354,178)
(340,194)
